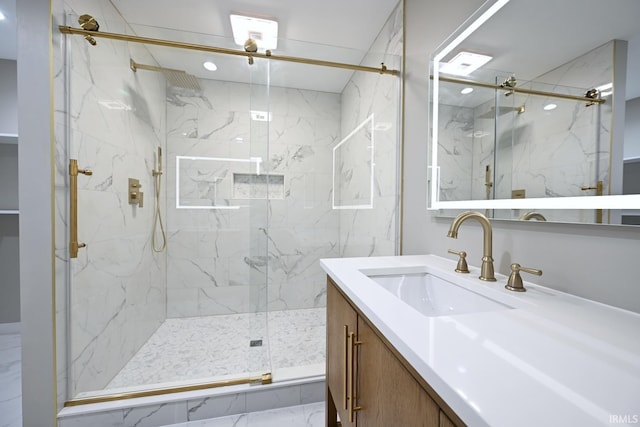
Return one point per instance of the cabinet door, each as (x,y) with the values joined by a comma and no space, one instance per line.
(445,421)
(341,320)
(386,391)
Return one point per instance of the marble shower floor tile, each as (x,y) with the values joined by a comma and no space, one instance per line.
(311,415)
(212,346)
(10,381)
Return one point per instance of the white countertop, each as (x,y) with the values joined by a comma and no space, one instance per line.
(553,360)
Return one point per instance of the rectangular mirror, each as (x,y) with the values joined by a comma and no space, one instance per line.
(533,110)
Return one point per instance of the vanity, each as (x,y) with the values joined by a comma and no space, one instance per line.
(410,342)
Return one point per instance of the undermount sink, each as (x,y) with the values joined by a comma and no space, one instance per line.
(433,296)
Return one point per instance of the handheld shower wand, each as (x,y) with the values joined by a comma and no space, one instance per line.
(157,174)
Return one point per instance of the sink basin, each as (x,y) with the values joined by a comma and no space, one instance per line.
(433,296)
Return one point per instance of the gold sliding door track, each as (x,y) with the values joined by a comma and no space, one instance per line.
(590,98)
(262,379)
(90,34)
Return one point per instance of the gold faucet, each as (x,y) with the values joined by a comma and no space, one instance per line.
(486,271)
(533,215)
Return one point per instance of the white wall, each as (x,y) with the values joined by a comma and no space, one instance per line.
(36,228)
(596,262)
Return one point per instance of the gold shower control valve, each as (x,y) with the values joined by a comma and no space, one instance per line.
(136,197)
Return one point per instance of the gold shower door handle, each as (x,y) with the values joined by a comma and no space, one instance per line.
(74,245)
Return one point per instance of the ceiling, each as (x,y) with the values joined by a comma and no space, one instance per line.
(315,30)
(306,29)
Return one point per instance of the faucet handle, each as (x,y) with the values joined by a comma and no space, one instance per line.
(515,281)
(462,266)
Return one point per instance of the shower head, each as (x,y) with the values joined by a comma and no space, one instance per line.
(491,114)
(89,23)
(175,78)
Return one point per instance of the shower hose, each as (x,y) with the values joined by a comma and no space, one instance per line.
(157,218)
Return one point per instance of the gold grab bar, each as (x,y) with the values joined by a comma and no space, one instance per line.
(74,245)
(352,377)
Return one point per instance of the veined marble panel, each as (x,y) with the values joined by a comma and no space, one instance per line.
(364,232)
(225,254)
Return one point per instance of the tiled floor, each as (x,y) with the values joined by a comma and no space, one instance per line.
(311,415)
(10,381)
(204,347)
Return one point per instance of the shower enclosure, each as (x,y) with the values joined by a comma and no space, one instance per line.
(260,176)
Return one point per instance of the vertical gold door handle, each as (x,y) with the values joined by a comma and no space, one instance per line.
(74,245)
(352,377)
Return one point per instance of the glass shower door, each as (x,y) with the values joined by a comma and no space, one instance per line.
(141,318)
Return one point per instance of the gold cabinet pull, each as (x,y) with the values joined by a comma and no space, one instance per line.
(74,245)
(352,377)
(345,371)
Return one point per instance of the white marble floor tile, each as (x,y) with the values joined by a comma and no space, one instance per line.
(311,415)
(211,346)
(10,381)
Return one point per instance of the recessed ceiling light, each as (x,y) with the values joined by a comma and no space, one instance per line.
(465,63)
(210,66)
(466,90)
(263,31)
(550,107)
(2,17)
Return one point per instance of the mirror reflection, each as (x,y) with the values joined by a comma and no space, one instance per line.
(540,113)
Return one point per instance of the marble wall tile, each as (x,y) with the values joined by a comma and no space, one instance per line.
(219,406)
(362,231)
(273,398)
(313,392)
(155,415)
(105,419)
(213,250)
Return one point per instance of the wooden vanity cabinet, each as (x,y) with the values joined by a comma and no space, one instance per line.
(386,392)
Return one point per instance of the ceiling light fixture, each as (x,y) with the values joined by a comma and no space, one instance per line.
(464,63)
(549,107)
(2,17)
(263,31)
(466,90)
(210,66)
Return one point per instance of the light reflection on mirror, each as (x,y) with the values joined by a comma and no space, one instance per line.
(512,142)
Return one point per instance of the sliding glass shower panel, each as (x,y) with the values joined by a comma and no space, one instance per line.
(163,145)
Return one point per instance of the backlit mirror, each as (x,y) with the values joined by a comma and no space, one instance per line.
(535,112)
